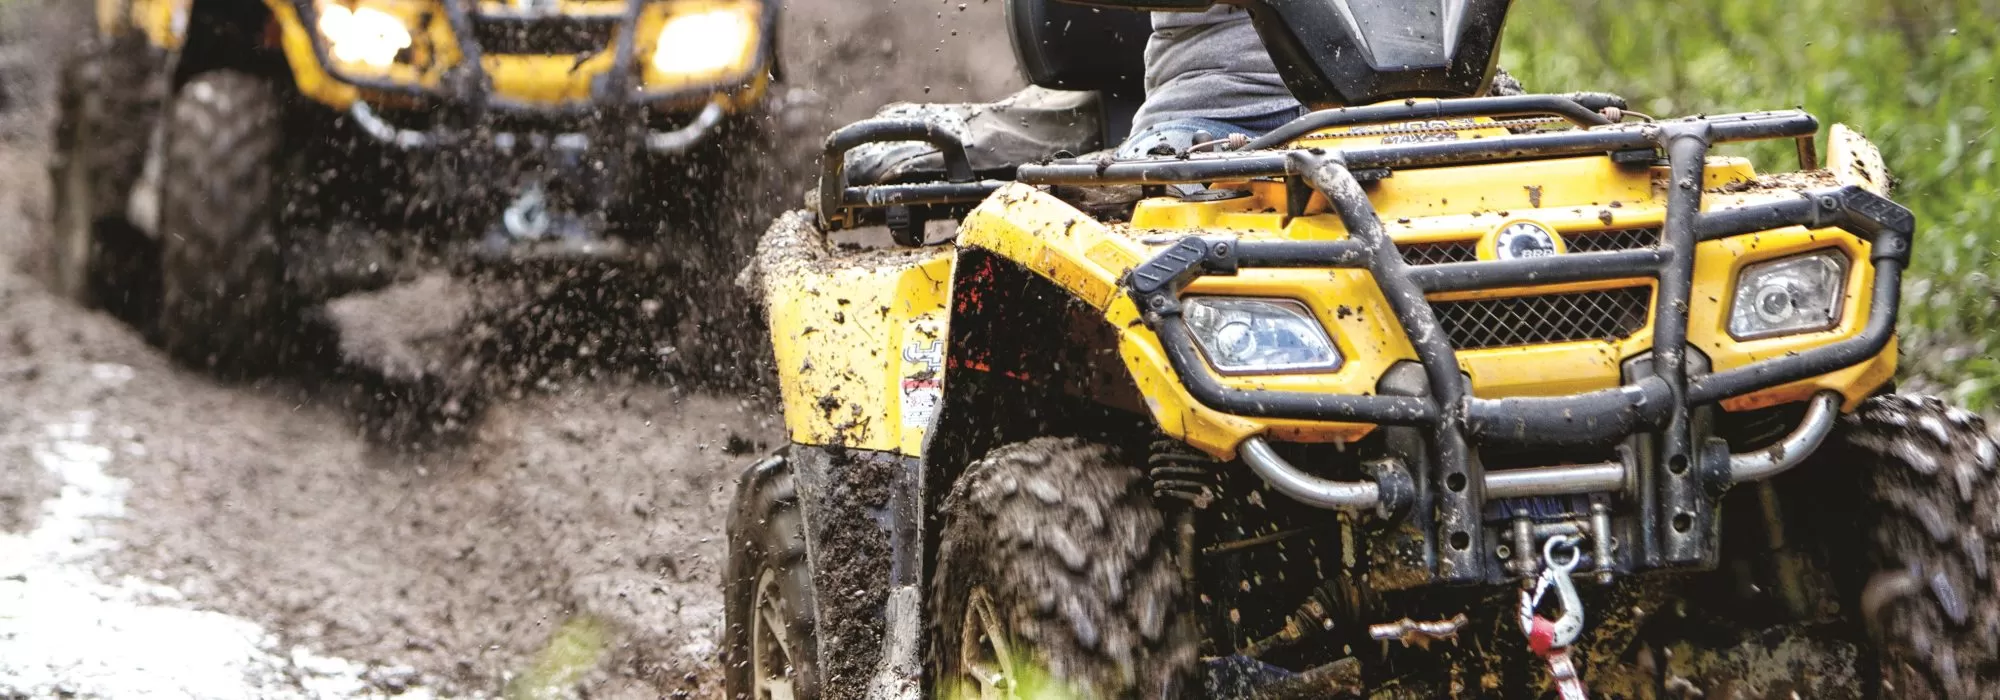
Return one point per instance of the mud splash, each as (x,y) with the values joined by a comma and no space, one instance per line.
(263,520)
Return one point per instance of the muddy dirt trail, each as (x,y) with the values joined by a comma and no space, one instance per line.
(162,533)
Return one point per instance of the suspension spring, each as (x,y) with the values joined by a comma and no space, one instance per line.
(1181,474)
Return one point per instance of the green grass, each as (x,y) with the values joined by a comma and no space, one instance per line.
(1918,77)
(575,648)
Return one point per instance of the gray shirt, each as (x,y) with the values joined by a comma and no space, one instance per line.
(1209,65)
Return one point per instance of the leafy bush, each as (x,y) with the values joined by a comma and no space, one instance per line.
(1916,76)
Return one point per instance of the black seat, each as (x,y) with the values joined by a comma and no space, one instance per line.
(1062,46)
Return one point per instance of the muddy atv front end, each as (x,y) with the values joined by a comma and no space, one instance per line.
(547,130)
(1477,379)
(225,167)
(1465,510)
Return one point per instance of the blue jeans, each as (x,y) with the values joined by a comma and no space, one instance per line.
(1170,137)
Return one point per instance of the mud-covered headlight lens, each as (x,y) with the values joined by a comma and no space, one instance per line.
(1799,294)
(705,42)
(362,36)
(1259,336)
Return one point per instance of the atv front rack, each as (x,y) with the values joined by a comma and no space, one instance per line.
(1678,502)
(465,87)
(845,204)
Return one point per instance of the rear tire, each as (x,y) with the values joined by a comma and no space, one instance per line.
(770,650)
(1933,603)
(226,305)
(107,105)
(1055,579)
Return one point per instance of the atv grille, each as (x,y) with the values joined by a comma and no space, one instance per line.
(1614,239)
(1443,252)
(1439,252)
(1611,314)
(557,35)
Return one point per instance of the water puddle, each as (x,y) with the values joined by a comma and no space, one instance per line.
(65,630)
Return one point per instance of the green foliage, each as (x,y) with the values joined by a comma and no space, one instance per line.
(1918,77)
(1029,682)
(576,648)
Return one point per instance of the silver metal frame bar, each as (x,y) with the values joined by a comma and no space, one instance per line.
(664,143)
(1308,489)
(679,140)
(1789,452)
(1571,480)
(365,117)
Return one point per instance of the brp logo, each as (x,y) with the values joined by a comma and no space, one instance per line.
(1525,239)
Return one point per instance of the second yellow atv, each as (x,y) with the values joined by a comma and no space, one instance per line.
(1429,393)
(223,164)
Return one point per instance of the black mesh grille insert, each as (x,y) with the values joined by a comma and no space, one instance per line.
(544,35)
(1440,252)
(1611,314)
(1614,239)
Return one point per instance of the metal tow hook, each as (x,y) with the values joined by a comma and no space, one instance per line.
(1551,639)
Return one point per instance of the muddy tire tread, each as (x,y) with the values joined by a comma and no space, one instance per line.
(225,304)
(107,101)
(1935,492)
(1078,560)
(766,532)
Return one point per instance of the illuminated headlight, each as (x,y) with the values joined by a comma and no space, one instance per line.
(363,36)
(1256,336)
(705,42)
(1799,294)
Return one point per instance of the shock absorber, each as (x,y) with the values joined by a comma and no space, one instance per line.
(1183,483)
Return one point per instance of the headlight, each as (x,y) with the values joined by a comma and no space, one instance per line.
(1255,336)
(364,36)
(705,42)
(1798,294)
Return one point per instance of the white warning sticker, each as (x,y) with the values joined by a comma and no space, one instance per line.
(923,382)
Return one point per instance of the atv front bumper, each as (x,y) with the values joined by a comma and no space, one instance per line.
(659,143)
(1675,483)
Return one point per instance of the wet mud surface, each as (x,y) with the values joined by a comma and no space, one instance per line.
(566,541)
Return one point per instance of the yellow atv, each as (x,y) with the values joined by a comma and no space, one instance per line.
(1428,393)
(223,164)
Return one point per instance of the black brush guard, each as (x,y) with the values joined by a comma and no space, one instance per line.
(467,89)
(1677,489)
